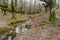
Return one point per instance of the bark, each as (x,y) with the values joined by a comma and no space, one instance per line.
(52,17)
(12,8)
(34,6)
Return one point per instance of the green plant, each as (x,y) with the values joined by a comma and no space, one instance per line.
(52,18)
(11,21)
(4,31)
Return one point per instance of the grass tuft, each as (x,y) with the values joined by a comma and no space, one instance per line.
(16,20)
(4,31)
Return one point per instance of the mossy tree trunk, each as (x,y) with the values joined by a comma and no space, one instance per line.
(5,7)
(12,8)
(5,12)
(52,17)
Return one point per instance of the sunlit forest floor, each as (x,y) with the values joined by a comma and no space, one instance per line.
(36,18)
(4,19)
(44,32)
(37,31)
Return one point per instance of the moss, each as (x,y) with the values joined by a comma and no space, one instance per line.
(4,31)
(16,20)
(51,19)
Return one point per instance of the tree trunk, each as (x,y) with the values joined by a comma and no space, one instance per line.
(12,8)
(52,16)
(34,6)
(5,12)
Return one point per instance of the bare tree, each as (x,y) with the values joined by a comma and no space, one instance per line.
(5,6)
(25,7)
(12,8)
(34,6)
(20,4)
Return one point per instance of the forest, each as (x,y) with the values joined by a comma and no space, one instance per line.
(29,19)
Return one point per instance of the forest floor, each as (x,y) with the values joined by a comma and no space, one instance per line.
(44,32)
(4,19)
(36,18)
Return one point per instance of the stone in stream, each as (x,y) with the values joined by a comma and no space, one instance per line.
(23,27)
(10,37)
(28,23)
(18,30)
